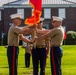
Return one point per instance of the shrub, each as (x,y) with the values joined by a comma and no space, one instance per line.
(0,39)
(5,39)
(71,38)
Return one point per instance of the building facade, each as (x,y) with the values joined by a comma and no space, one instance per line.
(61,8)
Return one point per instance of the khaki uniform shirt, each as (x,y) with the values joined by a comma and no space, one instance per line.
(39,42)
(13,37)
(57,36)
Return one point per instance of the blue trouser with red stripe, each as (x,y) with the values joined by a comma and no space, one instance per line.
(55,56)
(12,55)
(39,55)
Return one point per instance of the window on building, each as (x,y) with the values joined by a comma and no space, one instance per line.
(0,15)
(32,12)
(62,12)
(47,13)
(46,26)
(21,11)
(10,24)
(64,27)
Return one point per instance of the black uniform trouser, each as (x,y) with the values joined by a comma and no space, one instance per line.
(39,56)
(27,59)
(12,55)
(56,54)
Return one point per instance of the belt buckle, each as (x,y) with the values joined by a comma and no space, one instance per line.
(40,46)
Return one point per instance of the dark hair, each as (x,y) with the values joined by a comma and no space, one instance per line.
(40,22)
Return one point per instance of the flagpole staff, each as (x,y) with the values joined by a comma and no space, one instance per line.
(34,29)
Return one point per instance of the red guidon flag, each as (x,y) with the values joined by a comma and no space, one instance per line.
(65,35)
(37,5)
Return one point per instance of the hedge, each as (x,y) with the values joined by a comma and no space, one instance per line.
(71,38)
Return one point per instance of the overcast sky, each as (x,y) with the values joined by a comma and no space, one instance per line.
(5,1)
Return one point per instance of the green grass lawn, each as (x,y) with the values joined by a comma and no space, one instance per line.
(68,62)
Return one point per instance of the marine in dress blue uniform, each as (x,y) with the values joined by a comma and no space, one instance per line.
(56,34)
(13,42)
(39,53)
